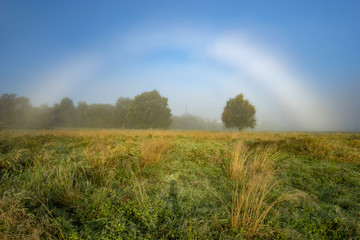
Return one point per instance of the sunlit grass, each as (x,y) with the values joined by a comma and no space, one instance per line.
(254,178)
(85,184)
(343,147)
(152,150)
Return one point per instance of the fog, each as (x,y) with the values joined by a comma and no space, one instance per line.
(198,66)
(204,78)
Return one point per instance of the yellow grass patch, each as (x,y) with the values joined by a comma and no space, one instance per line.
(152,150)
(254,178)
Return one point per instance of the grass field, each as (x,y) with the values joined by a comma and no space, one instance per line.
(127,184)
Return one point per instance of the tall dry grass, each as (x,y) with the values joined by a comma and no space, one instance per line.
(100,155)
(237,164)
(254,178)
(153,150)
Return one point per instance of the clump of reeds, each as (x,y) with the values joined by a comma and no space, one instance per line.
(254,178)
(152,150)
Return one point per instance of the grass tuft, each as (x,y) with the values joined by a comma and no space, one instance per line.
(254,178)
(153,150)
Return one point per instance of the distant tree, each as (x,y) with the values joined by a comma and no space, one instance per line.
(101,116)
(7,109)
(15,111)
(149,110)
(44,116)
(121,110)
(54,116)
(239,113)
(22,112)
(82,114)
(67,113)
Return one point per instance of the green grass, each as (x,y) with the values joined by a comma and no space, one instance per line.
(112,184)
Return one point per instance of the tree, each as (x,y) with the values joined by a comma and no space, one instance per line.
(14,111)
(101,116)
(121,110)
(149,110)
(22,111)
(239,113)
(43,116)
(7,109)
(82,114)
(67,112)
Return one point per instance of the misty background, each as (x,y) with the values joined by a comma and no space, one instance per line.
(147,110)
(297,62)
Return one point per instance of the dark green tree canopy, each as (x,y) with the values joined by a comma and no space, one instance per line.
(239,113)
(149,110)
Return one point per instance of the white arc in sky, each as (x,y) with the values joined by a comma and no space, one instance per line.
(277,77)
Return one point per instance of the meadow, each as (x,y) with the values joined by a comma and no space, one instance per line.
(152,184)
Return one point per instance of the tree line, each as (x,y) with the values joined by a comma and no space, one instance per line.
(146,110)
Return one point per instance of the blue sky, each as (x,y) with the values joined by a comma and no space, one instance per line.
(298,62)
